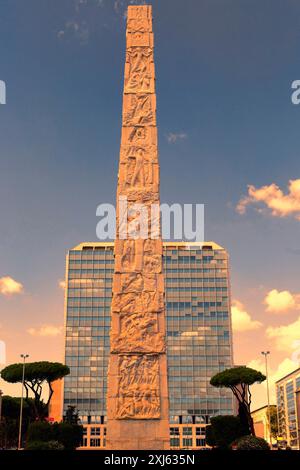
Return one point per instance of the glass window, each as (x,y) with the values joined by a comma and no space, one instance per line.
(174,419)
(174,431)
(200,431)
(95,431)
(95,443)
(200,442)
(187,442)
(174,442)
(188,431)
(188,418)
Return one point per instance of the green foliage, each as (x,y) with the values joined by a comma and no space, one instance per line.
(274,421)
(252,443)
(69,435)
(9,426)
(236,376)
(36,375)
(9,429)
(39,431)
(11,408)
(223,430)
(239,379)
(71,415)
(41,371)
(41,445)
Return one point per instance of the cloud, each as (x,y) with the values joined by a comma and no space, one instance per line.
(281,302)
(241,320)
(46,330)
(120,6)
(78,27)
(62,284)
(79,4)
(2,353)
(173,137)
(272,197)
(82,23)
(284,367)
(285,337)
(8,286)
(75,29)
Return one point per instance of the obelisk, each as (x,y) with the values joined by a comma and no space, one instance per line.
(137,397)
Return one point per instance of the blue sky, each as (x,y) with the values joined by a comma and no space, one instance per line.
(224,73)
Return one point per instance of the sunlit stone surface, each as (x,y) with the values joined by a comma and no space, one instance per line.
(137,400)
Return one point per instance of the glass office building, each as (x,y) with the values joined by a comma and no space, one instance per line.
(199,339)
(288,410)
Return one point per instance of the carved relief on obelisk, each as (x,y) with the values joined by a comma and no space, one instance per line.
(137,400)
(139,396)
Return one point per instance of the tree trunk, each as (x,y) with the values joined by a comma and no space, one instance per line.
(244,418)
(251,425)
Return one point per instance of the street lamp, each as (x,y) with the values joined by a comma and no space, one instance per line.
(1,393)
(24,357)
(266,353)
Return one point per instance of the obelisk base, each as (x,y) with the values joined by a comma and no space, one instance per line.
(137,434)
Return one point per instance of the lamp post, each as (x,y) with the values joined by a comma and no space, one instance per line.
(24,357)
(1,393)
(266,353)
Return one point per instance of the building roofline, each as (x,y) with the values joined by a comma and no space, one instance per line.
(287,375)
(92,244)
(214,245)
(261,408)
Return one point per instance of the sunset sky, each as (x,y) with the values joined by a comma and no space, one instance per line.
(228,138)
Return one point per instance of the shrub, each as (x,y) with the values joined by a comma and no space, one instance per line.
(42,445)
(39,431)
(238,380)
(252,443)
(68,435)
(223,430)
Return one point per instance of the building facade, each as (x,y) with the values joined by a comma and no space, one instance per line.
(199,338)
(261,422)
(288,409)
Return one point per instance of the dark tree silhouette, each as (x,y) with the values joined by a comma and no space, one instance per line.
(239,379)
(223,430)
(71,415)
(37,374)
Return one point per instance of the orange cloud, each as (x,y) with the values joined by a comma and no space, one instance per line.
(8,286)
(62,284)
(286,366)
(280,204)
(2,352)
(281,302)
(46,330)
(285,337)
(241,319)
